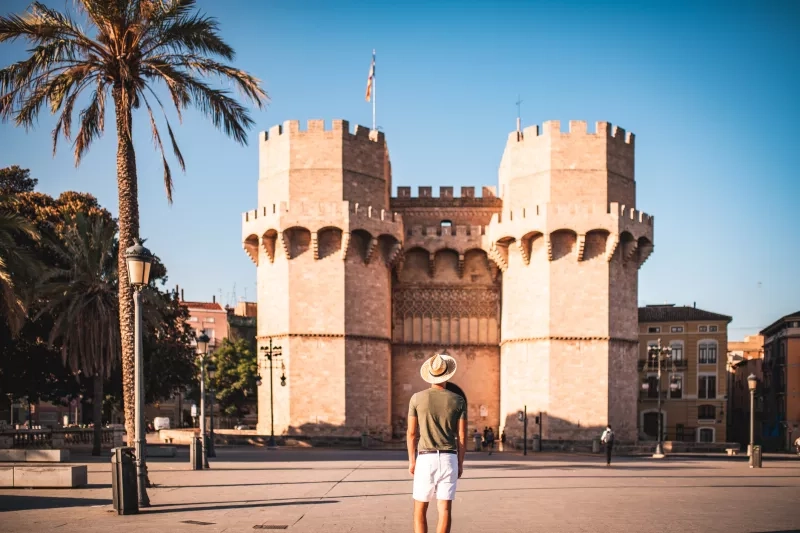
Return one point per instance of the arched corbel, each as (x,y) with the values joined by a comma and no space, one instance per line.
(371,250)
(345,244)
(611,247)
(581,245)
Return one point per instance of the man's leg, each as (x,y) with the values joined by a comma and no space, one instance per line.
(608,454)
(420,517)
(443,507)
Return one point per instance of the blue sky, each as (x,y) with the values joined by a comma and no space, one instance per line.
(710,90)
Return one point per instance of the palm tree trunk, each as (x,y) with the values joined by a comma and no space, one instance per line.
(98,414)
(128,230)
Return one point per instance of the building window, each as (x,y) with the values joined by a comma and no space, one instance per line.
(676,393)
(707,387)
(447,223)
(706,412)
(705,435)
(652,386)
(712,328)
(192,319)
(654,329)
(677,351)
(702,329)
(209,320)
(210,333)
(677,329)
(707,353)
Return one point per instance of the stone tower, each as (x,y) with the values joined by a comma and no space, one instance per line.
(323,240)
(532,290)
(569,242)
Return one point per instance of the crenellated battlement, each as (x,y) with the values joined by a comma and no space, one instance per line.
(552,128)
(446,192)
(317,127)
(440,231)
(619,226)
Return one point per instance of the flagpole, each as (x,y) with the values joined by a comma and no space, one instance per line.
(374,80)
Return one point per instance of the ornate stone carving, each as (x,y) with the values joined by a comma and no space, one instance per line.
(439,302)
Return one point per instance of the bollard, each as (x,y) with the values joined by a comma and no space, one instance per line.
(124,486)
(196,453)
(755,457)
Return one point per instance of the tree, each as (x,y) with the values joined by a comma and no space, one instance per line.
(82,300)
(14,180)
(237,368)
(131,46)
(17,264)
(169,357)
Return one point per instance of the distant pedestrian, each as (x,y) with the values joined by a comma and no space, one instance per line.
(477,438)
(608,439)
(490,440)
(503,441)
(436,438)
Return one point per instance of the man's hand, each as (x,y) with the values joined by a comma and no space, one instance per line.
(460,469)
(412,465)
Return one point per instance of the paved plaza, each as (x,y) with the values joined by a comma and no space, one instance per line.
(337,491)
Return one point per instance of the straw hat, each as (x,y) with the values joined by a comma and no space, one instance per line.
(438,368)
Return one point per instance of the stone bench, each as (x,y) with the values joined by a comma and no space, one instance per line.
(34,456)
(41,477)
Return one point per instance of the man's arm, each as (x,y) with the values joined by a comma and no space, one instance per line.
(462,444)
(412,437)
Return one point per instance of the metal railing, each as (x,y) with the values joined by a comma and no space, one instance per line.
(58,438)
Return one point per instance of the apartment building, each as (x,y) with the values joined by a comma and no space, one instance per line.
(693,385)
(744,358)
(780,388)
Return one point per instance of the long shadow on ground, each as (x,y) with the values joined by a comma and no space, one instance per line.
(25,503)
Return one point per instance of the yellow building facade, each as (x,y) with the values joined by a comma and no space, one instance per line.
(694,383)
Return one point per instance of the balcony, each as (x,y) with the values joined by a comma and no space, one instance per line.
(665,367)
(648,395)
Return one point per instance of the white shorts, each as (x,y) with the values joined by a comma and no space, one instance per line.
(435,475)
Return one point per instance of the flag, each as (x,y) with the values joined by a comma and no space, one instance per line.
(371,78)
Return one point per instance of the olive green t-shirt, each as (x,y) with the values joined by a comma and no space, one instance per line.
(438,412)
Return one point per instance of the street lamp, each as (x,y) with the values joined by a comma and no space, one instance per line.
(212,373)
(752,384)
(660,353)
(202,351)
(138,260)
(271,352)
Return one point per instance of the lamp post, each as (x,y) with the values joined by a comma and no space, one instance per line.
(660,353)
(212,373)
(271,352)
(139,259)
(752,384)
(202,351)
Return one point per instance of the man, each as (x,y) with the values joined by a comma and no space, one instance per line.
(490,440)
(477,438)
(607,438)
(436,438)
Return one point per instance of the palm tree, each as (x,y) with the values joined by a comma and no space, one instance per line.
(131,45)
(16,263)
(81,297)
